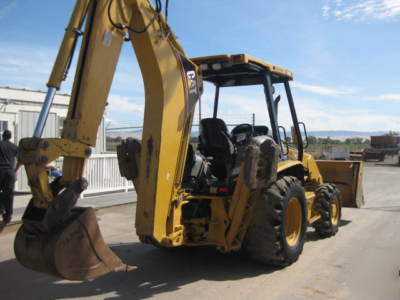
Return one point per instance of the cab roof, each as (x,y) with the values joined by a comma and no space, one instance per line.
(239,69)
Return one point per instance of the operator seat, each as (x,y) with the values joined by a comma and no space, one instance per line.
(215,141)
(260,130)
(242,134)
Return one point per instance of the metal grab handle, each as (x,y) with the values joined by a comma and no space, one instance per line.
(285,136)
(305,133)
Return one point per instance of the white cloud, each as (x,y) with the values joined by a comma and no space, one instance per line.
(237,106)
(325,10)
(362,10)
(320,90)
(128,78)
(16,62)
(25,66)
(325,116)
(29,66)
(390,97)
(110,123)
(384,97)
(123,104)
(7,7)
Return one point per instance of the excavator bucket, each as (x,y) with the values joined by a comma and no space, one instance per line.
(347,175)
(76,251)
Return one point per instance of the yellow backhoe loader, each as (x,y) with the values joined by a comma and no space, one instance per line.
(247,189)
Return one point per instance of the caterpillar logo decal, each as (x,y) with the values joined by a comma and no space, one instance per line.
(191,83)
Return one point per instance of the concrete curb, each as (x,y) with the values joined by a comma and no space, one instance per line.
(19,222)
(97,201)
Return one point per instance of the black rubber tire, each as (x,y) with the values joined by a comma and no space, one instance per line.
(325,194)
(265,238)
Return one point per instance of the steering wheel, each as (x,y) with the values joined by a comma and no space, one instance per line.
(242,133)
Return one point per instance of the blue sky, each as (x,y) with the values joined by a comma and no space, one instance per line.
(344,54)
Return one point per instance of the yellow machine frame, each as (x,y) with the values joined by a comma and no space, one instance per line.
(173,84)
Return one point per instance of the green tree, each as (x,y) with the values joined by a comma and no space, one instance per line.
(353,141)
(312,140)
(392,133)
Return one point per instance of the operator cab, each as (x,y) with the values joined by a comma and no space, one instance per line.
(216,163)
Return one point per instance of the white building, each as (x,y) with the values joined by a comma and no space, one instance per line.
(19,110)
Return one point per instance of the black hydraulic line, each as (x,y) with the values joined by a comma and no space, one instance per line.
(138,31)
(271,109)
(216,99)
(300,146)
(78,33)
(71,58)
(166,10)
(89,27)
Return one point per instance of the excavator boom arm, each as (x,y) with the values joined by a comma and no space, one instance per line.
(172,87)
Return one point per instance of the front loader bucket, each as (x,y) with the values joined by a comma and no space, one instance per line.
(347,175)
(75,252)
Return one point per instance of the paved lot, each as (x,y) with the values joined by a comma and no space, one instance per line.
(105,200)
(361,262)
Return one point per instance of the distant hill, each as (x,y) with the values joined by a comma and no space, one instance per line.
(334,134)
(137,133)
(348,133)
(345,134)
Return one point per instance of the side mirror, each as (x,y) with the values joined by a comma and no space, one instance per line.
(305,134)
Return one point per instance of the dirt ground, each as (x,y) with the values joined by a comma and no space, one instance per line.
(361,262)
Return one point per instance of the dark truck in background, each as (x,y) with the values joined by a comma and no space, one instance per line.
(380,147)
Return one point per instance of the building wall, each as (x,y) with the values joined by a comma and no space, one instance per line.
(14,101)
(27,118)
(20,109)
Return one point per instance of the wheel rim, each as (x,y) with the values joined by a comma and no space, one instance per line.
(335,211)
(293,222)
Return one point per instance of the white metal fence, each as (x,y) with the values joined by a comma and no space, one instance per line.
(103,175)
(101,171)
